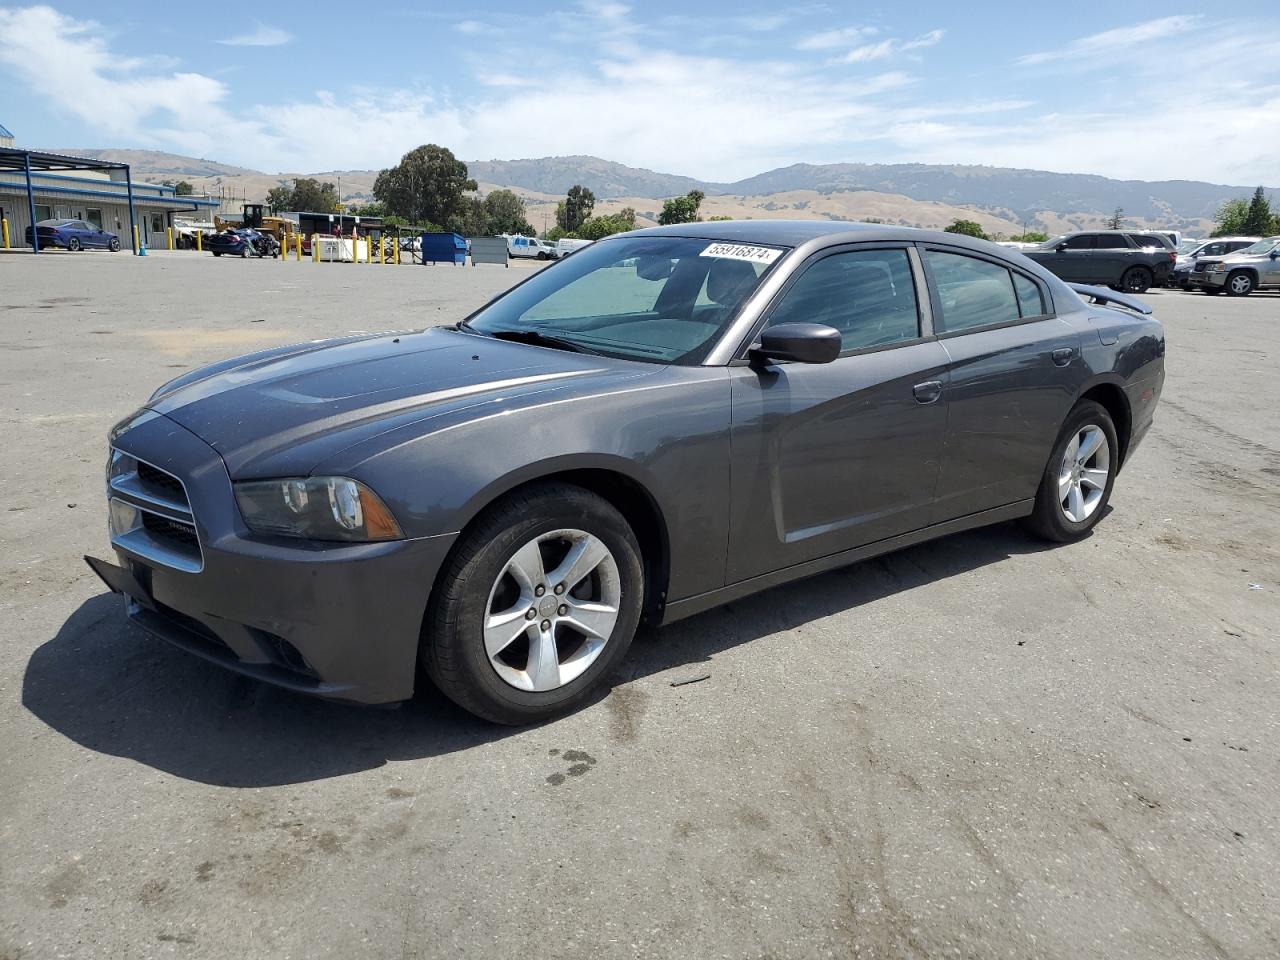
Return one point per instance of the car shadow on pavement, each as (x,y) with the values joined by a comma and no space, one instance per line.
(113,689)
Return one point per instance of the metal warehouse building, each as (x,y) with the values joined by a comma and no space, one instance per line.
(99,192)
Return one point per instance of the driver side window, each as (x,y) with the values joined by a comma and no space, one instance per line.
(868,295)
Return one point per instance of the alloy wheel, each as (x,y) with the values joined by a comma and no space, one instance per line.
(552,610)
(1240,284)
(1082,478)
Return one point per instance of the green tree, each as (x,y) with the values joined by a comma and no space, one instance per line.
(280,198)
(575,208)
(597,228)
(428,184)
(374,209)
(1257,219)
(470,218)
(969,228)
(681,209)
(1031,236)
(183,189)
(1230,217)
(718,217)
(1116,220)
(506,214)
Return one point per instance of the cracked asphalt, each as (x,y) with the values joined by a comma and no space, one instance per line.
(977,747)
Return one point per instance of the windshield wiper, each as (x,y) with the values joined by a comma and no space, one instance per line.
(539,339)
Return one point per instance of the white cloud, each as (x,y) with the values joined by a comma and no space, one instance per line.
(648,105)
(830,39)
(890,47)
(261,36)
(1109,41)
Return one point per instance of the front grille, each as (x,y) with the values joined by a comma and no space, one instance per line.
(164,484)
(176,531)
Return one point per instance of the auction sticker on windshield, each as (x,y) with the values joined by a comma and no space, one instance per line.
(742,251)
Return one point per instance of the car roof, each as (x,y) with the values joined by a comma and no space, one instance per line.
(793,233)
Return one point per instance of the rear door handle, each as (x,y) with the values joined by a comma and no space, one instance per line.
(1063,355)
(928,391)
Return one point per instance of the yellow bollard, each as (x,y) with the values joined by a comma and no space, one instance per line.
(136,247)
(199,241)
(397,251)
(315,248)
(382,252)
(4,224)
(168,232)
(297,247)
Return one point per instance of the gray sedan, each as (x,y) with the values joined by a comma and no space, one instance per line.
(663,422)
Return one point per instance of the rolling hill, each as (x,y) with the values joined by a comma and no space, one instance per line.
(1002,199)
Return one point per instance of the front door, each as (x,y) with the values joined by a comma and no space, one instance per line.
(827,457)
(1014,373)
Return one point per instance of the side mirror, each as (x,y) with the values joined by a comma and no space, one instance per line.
(1060,247)
(799,342)
(1275,254)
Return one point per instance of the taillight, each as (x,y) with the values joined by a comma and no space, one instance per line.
(1173,256)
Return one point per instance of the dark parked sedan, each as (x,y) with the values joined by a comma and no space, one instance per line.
(73,235)
(665,421)
(242,242)
(1122,259)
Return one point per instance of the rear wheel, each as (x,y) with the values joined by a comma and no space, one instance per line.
(1239,284)
(1136,280)
(114,245)
(1077,481)
(244,252)
(217,253)
(538,604)
(73,244)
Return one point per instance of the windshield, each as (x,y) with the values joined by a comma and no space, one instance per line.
(660,299)
(1261,247)
(1187,246)
(1053,243)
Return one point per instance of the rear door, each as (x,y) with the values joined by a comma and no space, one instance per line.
(1112,256)
(827,457)
(1014,371)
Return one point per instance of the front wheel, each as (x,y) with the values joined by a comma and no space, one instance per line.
(73,244)
(537,606)
(114,245)
(1136,280)
(1077,481)
(1239,284)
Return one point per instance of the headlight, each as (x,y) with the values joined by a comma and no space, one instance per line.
(1218,268)
(316,508)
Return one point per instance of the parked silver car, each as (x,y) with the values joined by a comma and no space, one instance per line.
(1204,250)
(1254,268)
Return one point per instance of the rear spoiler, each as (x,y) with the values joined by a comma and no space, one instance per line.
(1104,295)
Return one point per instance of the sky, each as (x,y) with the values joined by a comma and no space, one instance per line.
(714,90)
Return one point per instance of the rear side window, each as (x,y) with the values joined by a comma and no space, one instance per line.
(1146,240)
(1030,302)
(1112,241)
(974,293)
(868,295)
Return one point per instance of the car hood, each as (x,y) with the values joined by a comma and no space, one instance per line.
(282,411)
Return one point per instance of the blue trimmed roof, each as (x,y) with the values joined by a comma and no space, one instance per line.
(5,133)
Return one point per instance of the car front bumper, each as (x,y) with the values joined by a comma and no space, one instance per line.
(335,620)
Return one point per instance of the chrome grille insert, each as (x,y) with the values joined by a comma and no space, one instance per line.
(151,513)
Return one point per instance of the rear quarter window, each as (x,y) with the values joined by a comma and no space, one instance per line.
(973,292)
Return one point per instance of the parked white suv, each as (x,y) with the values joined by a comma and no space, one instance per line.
(1253,268)
(565,246)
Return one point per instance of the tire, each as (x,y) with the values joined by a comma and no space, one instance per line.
(484,576)
(1136,280)
(1051,518)
(114,245)
(73,244)
(244,253)
(1210,290)
(1239,284)
(217,253)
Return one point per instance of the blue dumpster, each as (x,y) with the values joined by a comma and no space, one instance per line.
(443,248)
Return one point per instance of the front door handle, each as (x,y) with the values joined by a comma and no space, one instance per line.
(928,391)
(1063,355)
